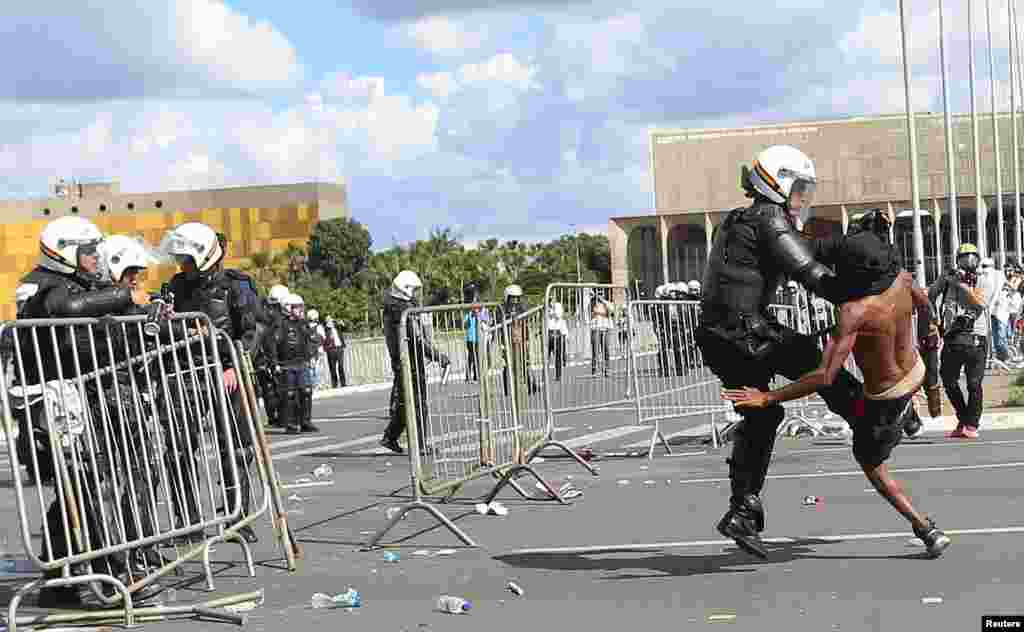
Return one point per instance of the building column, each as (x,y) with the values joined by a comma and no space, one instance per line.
(663,229)
(981,225)
(709,229)
(845,218)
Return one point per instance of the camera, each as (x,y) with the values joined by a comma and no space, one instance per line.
(964,323)
(967,277)
(159,308)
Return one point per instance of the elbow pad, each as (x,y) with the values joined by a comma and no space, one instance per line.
(96,303)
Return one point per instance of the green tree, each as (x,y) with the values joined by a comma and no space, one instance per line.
(339,248)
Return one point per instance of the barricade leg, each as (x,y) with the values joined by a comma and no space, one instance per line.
(430,509)
(514,472)
(12,609)
(552,443)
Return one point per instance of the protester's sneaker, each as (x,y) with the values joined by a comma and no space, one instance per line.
(935,541)
(913,427)
(969,432)
(391,444)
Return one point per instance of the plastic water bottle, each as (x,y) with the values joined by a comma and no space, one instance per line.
(390,556)
(453,605)
(323,471)
(347,599)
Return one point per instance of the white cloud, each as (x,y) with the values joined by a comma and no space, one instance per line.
(197,171)
(441,35)
(502,68)
(439,84)
(81,52)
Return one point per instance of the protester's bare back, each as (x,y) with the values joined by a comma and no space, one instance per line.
(884,348)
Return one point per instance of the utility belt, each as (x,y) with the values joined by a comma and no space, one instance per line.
(966,340)
(754,336)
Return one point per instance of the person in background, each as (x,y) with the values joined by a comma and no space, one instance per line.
(558,329)
(1001,326)
(600,326)
(470,323)
(334,344)
(963,297)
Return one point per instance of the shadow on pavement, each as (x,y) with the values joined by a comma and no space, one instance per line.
(674,565)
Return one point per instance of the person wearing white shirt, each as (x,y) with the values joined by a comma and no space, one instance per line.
(600,327)
(558,329)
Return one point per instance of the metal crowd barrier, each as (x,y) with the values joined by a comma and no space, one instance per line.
(136,458)
(673,382)
(460,429)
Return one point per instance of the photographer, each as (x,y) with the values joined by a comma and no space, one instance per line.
(963,298)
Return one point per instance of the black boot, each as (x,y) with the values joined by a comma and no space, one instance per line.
(743,523)
(935,541)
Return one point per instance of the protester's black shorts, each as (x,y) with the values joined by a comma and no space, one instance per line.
(879,429)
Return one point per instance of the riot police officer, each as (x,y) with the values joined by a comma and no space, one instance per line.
(402,295)
(755,248)
(288,350)
(273,313)
(229,299)
(63,285)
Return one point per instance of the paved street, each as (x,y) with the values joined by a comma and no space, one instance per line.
(638,549)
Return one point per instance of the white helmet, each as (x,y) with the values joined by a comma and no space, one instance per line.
(277,294)
(693,287)
(659,292)
(792,285)
(195,240)
(294,305)
(60,242)
(120,252)
(513,290)
(314,315)
(780,171)
(406,283)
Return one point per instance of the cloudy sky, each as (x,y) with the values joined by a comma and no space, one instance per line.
(508,118)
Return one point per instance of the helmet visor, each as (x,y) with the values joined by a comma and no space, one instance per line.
(801,194)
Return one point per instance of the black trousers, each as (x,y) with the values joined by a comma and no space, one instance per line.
(556,345)
(970,359)
(791,355)
(397,406)
(336,362)
(472,371)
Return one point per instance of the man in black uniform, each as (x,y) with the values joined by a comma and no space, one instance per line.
(266,379)
(229,299)
(754,249)
(402,296)
(289,350)
(63,285)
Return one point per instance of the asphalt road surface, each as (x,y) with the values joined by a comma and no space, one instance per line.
(638,549)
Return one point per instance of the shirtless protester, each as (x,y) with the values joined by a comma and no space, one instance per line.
(875,324)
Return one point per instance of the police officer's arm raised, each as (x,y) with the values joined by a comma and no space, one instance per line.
(786,246)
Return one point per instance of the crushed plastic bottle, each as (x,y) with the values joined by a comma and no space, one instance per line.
(453,605)
(515,589)
(348,599)
(811,500)
(391,556)
(323,471)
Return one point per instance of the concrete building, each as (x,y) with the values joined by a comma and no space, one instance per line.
(254,219)
(861,163)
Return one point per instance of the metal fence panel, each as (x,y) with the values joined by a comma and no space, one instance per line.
(133,445)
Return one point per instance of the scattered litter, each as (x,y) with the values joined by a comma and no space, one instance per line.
(446,552)
(536,459)
(650,483)
(391,556)
(453,605)
(515,588)
(931,600)
(643,467)
(391,512)
(590,427)
(387,463)
(491,509)
(304,479)
(295,498)
(348,599)
(422,553)
(915,542)
(869,490)
(585,453)
(567,490)
(624,482)
(323,471)
(720,618)
(366,533)
(668,482)
(812,500)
